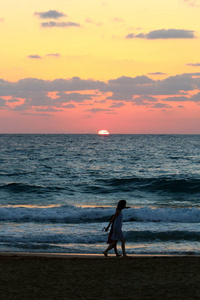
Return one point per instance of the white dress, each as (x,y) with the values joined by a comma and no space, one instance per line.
(117,228)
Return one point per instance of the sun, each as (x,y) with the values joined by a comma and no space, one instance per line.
(103,132)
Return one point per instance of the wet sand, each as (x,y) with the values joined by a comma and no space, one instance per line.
(46,277)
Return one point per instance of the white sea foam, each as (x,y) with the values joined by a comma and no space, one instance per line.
(72,214)
(147,214)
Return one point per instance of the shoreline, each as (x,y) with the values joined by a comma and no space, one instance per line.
(91,255)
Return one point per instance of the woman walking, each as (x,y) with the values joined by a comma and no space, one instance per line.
(117,228)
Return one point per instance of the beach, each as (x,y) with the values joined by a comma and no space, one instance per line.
(43,276)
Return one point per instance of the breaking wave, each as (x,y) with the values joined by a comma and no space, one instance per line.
(73,214)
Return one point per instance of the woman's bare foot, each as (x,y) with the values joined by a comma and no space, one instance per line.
(105,254)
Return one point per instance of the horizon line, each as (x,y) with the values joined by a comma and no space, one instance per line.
(60,133)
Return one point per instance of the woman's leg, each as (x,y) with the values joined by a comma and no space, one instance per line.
(123,248)
(110,247)
(115,249)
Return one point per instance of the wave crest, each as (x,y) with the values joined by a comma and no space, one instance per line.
(72,214)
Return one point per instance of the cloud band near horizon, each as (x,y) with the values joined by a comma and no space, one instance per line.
(30,93)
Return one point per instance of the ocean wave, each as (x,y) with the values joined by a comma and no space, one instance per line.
(27,188)
(99,237)
(162,236)
(62,214)
(73,214)
(166,184)
(180,215)
(66,238)
(161,185)
(15,174)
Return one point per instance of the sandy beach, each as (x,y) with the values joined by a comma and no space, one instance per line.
(31,276)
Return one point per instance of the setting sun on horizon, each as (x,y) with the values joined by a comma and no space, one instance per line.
(133,66)
(103,132)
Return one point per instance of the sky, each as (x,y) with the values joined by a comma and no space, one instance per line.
(80,66)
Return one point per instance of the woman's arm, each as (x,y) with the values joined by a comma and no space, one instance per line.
(112,220)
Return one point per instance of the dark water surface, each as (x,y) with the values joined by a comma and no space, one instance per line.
(58,191)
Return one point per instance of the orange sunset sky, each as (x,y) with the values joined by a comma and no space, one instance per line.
(130,66)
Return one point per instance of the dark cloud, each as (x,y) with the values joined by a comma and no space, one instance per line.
(33,93)
(97,110)
(193,98)
(122,95)
(59,24)
(74,97)
(130,36)
(117,104)
(48,109)
(53,54)
(196,98)
(140,101)
(13,100)
(27,85)
(175,99)
(69,106)
(197,74)
(35,57)
(157,73)
(40,57)
(144,100)
(51,14)
(2,103)
(161,105)
(125,88)
(143,94)
(21,108)
(193,65)
(164,34)
(130,80)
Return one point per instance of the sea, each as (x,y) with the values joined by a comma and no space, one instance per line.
(58,191)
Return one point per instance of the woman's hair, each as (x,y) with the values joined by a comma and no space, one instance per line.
(121,204)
